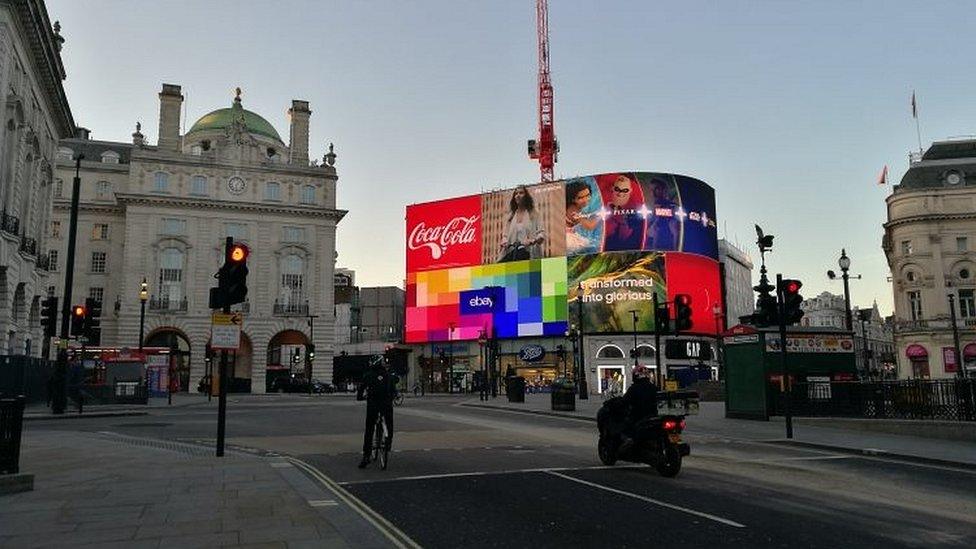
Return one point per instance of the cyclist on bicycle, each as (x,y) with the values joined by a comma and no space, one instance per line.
(379,384)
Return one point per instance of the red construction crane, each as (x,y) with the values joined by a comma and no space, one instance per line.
(546,148)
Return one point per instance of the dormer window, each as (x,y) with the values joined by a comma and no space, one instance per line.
(110,157)
(66,154)
(205,144)
(271,152)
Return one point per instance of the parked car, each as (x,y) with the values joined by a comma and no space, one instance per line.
(297,384)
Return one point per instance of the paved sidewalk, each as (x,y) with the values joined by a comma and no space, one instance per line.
(107,490)
(711,422)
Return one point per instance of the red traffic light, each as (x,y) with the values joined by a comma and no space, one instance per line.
(683,300)
(793,286)
(238,253)
(78,310)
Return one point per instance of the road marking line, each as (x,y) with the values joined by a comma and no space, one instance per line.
(660,503)
(281,464)
(800,458)
(323,503)
(486,473)
(385,527)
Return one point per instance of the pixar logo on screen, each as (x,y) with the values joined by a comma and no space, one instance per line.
(479,302)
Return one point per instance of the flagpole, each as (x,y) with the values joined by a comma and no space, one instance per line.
(918,131)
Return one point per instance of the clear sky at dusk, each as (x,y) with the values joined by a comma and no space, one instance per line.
(789,109)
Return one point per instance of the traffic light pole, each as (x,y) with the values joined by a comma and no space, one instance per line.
(222,398)
(787,386)
(657,345)
(60,400)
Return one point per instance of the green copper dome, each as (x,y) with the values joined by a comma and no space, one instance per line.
(222,119)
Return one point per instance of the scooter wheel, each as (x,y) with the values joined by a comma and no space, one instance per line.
(670,464)
(607,451)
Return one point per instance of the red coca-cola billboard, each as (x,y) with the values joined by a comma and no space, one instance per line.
(443,234)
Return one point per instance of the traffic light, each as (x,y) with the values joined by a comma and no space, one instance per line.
(78,320)
(93,321)
(311,351)
(231,278)
(49,316)
(792,300)
(662,319)
(682,313)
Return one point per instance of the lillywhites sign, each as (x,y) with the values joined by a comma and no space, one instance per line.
(532,353)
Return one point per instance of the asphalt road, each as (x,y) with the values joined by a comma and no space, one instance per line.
(462,476)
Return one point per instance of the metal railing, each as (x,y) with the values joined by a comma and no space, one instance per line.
(944,399)
(28,245)
(291,309)
(165,304)
(9,223)
(11,426)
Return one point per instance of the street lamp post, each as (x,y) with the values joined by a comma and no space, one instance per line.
(719,358)
(633,313)
(483,356)
(584,392)
(960,363)
(143,297)
(450,363)
(864,315)
(844,263)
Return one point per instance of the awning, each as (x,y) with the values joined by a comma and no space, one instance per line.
(916,352)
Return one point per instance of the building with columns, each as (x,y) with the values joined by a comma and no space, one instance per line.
(876,332)
(160,213)
(36,115)
(930,244)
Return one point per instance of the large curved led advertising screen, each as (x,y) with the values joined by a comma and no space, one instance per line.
(513,262)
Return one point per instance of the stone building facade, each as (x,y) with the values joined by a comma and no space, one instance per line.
(930,244)
(160,213)
(35,116)
(827,310)
(737,266)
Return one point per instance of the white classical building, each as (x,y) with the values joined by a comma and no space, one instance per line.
(930,243)
(162,212)
(827,310)
(736,266)
(36,115)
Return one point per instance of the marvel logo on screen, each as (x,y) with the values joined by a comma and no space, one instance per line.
(444,234)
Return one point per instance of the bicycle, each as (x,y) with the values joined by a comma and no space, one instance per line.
(398,399)
(380,452)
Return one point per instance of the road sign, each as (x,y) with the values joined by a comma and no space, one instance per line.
(225,331)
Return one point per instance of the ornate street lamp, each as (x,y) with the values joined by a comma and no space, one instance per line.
(844,263)
(143,297)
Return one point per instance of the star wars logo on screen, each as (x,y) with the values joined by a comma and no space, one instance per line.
(688,349)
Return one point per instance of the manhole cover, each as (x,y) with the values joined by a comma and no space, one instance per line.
(124,425)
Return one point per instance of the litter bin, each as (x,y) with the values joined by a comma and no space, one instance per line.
(563,395)
(515,388)
(11,424)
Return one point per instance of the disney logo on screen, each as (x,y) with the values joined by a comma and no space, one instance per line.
(459,230)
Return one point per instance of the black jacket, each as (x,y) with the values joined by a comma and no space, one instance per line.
(641,397)
(379,384)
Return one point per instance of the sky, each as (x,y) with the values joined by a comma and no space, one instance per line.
(788,109)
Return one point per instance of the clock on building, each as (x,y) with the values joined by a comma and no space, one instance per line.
(236,185)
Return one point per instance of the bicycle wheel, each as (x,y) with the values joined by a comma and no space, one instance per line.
(398,400)
(382,452)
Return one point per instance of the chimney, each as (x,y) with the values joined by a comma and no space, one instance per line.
(170,102)
(82,133)
(298,132)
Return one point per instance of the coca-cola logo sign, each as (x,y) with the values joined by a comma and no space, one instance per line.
(460,230)
(444,234)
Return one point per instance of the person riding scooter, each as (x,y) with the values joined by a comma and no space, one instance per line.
(641,401)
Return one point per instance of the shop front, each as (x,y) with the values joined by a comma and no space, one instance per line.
(918,358)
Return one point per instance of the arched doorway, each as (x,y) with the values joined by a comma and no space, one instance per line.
(286,355)
(611,369)
(238,364)
(179,346)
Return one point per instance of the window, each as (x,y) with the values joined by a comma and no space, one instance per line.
(906,247)
(96,293)
(52,258)
(100,231)
(55,229)
(292,280)
(171,274)
(174,226)
(910,276)
(272,191)
(237,231)
(308,194)
(98,262)
(967,304)
(962,244)
(198,185)
(610,351)
(964,274)
(110,157)
(103,190)
(58,188)
(161,182)
(915,305)
(293,234)
(50,291)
